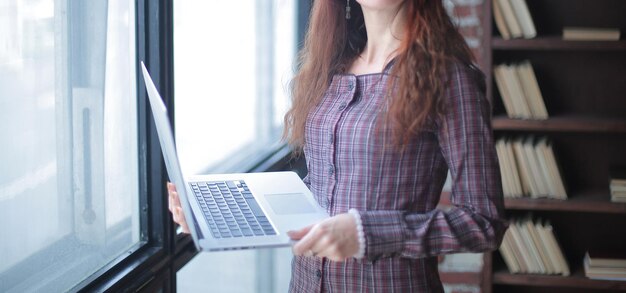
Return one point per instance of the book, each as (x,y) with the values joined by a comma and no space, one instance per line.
(541,249)
(519,90)
(528,168)
(508,169)
(621,198)
(550,253)
(535,169)
(518,188)
(500,22)
(516,91)
(505,92)
(517,182)
(527,179)
(555,248)
(524,19)
(531,90)
(545,171)
(516,251)
(525,254)
(545,146)
(508,255)
(530,246)
(590,34)
(509,17)
(617,183)
(608,259)
(605,277)
(505,168)
(605,265)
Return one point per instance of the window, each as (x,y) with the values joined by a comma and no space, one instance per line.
(233,61)
(69,194)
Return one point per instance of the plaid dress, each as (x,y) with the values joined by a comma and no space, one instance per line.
(352,164)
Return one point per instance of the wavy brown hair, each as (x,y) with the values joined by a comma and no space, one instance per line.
(430,45)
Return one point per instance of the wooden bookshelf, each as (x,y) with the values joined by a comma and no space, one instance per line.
(576,280)
(583,84)
(556,43)
(564,123)
(585,201)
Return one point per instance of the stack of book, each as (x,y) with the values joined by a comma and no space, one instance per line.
(617,184)
(605,266)
(513,19)
(520,91)
(531,247)
(528,167)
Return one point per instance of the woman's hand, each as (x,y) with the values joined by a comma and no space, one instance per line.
(334,238)
(175,208)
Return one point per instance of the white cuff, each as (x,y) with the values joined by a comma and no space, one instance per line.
(360,233)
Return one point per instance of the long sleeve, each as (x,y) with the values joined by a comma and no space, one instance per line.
(476,221)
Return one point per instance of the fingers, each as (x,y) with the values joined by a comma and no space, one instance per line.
(175,208)
(332,238)
(298,234)
(329,249)
(172,196)
(306,243)
(182,222)
(170,204)
(171,187)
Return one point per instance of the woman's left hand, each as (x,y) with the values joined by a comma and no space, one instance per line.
(334,238)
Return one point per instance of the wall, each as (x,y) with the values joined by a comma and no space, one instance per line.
(467,14)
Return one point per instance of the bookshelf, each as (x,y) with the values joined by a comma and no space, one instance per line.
(584,88)
(576,280)
(555,44)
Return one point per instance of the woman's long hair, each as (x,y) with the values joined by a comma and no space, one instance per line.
(431,43)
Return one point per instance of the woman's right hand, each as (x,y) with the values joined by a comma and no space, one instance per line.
(175,208)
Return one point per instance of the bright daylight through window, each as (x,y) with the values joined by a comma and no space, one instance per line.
(233,62)
(69,199)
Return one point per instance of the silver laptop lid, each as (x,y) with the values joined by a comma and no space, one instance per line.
(166,138)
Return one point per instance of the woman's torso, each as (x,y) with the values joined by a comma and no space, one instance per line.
(352,163)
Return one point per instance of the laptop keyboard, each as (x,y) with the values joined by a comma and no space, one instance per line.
(231,210)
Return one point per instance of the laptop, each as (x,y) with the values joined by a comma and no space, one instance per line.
(234,211)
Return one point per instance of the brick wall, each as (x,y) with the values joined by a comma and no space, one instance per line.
(468,15)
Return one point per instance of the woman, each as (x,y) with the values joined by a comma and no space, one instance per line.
(385,101)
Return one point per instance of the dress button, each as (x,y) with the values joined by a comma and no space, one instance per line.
(331,169)
(350,86)
(318,273)
(342,106)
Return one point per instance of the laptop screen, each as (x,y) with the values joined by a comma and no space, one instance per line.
(168,148)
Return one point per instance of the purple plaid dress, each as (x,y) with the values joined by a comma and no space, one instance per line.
(352,164)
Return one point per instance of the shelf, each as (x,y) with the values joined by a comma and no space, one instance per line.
(587,201)
(556,43)
(562,123)
(576,280)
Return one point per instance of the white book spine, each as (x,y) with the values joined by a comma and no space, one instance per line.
(517,94)
(524,18)
(510,18)
(505,92)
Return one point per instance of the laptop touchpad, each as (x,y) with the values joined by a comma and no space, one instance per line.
(289,203)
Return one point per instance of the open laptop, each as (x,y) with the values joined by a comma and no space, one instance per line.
(234,211)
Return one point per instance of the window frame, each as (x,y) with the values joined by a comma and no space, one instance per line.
(138,269)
